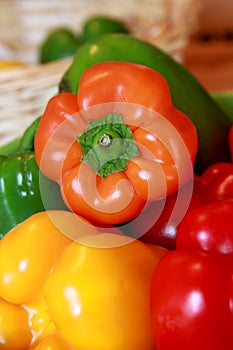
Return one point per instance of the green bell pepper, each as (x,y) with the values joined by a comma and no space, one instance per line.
(96,26)
(60,43)
(21,183)
(187,93)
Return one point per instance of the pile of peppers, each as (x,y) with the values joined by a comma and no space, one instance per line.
(137,251)
(191,288)
(89,292)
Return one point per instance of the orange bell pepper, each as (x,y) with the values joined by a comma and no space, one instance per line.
(122,133)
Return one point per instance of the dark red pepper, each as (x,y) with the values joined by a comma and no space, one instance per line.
(218,182)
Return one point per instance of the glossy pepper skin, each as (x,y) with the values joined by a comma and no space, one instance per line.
(216,182)
(143,157)
(208,228)
(188,95)
(193,308)
(24,267)
(20,181)
(89,291)
(15,331)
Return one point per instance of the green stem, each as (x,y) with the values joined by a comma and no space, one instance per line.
(107,144)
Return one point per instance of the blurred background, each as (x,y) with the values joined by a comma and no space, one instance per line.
(197,33)
(209,52)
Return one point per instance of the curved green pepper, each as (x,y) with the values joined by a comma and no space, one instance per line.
(20,183)
(187,93)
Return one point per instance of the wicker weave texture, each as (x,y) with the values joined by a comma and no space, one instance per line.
(24,23)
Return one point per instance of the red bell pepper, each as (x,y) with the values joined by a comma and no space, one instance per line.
(218,182)
(192,286)
(208,228)
(117,144)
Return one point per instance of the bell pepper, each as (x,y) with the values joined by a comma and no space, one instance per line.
(208,228)
(15,331)
(59,43)
(217,182)
(20,180)
(188,95)
(86,288)
(133,145)
(191,290)
(96,26)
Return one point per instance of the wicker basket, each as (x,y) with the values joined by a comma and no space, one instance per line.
(24,91)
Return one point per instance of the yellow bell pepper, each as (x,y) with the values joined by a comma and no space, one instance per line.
(14,328)
(65,285)
(28,253)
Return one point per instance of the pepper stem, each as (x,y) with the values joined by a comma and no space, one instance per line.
(105,140)
(107,144)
